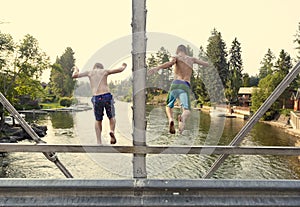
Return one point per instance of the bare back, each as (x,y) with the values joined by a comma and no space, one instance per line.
(98,81)
(183,67)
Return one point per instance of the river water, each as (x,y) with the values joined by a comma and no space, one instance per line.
(202,128)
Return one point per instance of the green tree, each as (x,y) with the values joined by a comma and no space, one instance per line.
(253,81)
(57,80)
(265,87)
(215,80)
(249,81)
(269,83)
(164,56)
(246,80)
(22,65)
(7,48)
(158,83)
(30,63)
(235,78)
(297,41)
(199,84)
(267,65)
(216,52)
(61,80)
(6,54)
(282,67)
(123,90)
(152,80)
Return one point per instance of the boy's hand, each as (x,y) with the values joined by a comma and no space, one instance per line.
(75,69)
(124,65)
(152,71)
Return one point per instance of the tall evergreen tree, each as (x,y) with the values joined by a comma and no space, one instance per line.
(235,78)
(284,63)
(216,52)
(282,67)
(217,78)
(200,75)
(267,65)
(164,56)
(297,41)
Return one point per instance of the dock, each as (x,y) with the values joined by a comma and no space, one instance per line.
(75,108)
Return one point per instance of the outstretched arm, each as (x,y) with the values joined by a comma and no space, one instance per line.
(200,62)
(118,70)
(162,66)
(76,73)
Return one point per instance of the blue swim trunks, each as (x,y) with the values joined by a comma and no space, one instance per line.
(101,102)
(179,89)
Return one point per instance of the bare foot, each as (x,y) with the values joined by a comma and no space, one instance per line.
(113,139)
(172,127)
(181,124)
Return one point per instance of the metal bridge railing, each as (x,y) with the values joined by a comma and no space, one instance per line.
(201,150)
(144,192)
(149,192)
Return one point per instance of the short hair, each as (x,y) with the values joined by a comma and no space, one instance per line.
(181,48)
(98,65)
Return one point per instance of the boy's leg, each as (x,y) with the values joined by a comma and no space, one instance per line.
(169,113)
(169,110)
(98,129)
(98,112)
(184,99)
(110,112)
(112,125)
(182,119)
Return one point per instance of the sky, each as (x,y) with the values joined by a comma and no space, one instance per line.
(91,25)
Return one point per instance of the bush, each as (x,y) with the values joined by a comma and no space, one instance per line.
(30,105)
(65,101)
(285,112)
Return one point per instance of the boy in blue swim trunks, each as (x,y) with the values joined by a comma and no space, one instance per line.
(102,98)
(180,87)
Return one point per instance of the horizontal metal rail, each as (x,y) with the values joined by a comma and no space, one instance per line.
(148,192)
(246,150)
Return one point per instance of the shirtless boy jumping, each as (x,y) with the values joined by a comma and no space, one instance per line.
(180,87)
(102,98)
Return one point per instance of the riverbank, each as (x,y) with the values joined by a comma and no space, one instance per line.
(286,127)
(281,122)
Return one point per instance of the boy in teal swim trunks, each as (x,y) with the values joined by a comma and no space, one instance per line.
(180,87)
(102,98)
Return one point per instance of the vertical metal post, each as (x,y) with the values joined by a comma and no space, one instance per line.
(139,84)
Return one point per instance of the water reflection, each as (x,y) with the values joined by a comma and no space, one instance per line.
(62,120)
